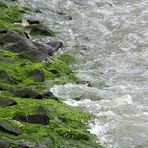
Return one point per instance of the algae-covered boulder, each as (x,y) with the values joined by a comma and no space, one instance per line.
(5,77)
(38,75)
(8,127)
(7,102)
(14,42)
(35,118)
(27,93)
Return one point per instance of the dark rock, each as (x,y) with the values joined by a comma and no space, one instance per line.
(31,50)
(42,110)
(27,93)
(56,45)
(38,75)
(4,144)
(50,95)
(44,48)
(7,102)
(33,21)
(4,76)
(8,127)
(35,118)
(41,30)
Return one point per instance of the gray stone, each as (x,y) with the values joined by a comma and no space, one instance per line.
(7,102)
(6,126)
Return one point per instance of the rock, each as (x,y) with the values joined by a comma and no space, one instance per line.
(6,126)
(33,21)
(7,102)
(26,48)
(35,118)
(27,93)
(4,76)
(38,75)
(42,110)
(56,45)
(50,94)
(4,144)
(25,143)
(41,30)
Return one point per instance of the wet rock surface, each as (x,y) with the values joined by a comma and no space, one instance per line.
(4,76)
(35,118)
(8,127)
(14,42)
(41,30)
(56,45)
(27,93)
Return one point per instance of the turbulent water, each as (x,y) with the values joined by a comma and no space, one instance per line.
(109,38)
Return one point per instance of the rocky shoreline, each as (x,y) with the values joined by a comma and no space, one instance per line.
(30,115)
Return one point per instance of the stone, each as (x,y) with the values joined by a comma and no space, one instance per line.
(50,95)
(38,75)
(8,127)
(4,76)
(27,93)
(56,45)
(35,118)
(33,21)
(41,30)
(7,102)
(26,48)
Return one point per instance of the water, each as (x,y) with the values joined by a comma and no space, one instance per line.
(109,38)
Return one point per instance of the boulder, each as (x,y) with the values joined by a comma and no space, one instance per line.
(41,30)
(33,21)
(8,127)
(38,75)
(35,118)
(56,45)
(27,93)
(26,48)
(5,77)
(7,102)
(50,95)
